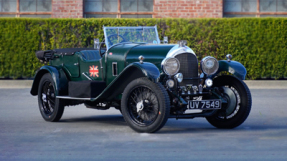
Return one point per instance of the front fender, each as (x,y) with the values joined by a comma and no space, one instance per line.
(148,69)
(130,73)
(233,67)
(59,77)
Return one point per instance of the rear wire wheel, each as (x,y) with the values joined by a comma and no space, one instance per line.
(238,96)
(50,107)
(145,105)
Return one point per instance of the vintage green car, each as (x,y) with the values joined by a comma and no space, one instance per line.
(147,81)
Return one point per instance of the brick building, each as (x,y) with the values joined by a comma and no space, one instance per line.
(143,8)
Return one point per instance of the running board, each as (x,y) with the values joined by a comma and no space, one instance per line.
(73,98)
(193,115)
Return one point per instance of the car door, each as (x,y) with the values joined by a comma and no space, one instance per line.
(71,64)
(91,66)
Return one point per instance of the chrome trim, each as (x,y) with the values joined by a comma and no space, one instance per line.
(182,43)
(114,63)
(176,50)
(132,27)
(137,27)
(165,40)
(102,69)
(96,43)
(158,40)
(203,61)
(167,83)
(73,98)
(106,40)
(208,82)
(179,77)
(200,88)
(164,62)
(228,57)
(86,76)
(141,59)
(195,89)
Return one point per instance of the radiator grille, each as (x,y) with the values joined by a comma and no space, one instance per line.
(188,67)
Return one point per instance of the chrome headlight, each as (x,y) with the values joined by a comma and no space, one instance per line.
(209,65)
(179,77)
(170,66)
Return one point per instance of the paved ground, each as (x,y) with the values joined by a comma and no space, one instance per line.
(85,134)
(252,84)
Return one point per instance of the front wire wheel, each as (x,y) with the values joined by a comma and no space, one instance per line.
(50,107)
(238,96)
(145,105)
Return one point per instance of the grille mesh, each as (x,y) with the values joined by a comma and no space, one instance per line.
(188,67)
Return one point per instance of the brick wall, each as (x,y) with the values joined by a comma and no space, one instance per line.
(67,8)
(188,8)
(162,8)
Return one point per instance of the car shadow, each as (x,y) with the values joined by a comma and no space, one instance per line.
(205,127)
(175,126)
(103,119)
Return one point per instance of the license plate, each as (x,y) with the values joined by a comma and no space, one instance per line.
(204,104)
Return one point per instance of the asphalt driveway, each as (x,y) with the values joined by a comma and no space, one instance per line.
(85,134)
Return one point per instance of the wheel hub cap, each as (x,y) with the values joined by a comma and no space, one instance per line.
(44,97)
(232,101)
(140,106)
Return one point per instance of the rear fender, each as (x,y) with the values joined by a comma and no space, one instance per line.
(233,67)
(130,73)
(59,77)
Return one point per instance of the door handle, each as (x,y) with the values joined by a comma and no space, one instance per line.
(76,63)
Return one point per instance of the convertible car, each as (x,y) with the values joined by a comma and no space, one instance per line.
(148,81)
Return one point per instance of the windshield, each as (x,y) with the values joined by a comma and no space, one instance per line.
(115,35)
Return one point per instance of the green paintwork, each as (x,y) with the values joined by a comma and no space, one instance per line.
(85,66)
(152,53)
(71,65)
(116,54)
(233,67)
(131,72)
(59,77)
(125,54)
(77,67)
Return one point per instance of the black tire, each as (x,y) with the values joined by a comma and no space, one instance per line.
(50,107)
(236,113)
(145,105)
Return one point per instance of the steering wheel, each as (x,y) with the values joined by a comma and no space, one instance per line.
(115,35)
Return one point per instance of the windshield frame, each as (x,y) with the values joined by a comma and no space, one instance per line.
(137,27)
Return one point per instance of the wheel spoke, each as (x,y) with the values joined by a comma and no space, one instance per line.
(50,107)
(48,98)
(153,98)
(45,108)
(136,96)
(133,99)
(51,104)
(134,108)
(142,93)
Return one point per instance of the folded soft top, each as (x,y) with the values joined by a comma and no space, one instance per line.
(46,55)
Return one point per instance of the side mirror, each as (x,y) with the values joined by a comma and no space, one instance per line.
(96,43)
